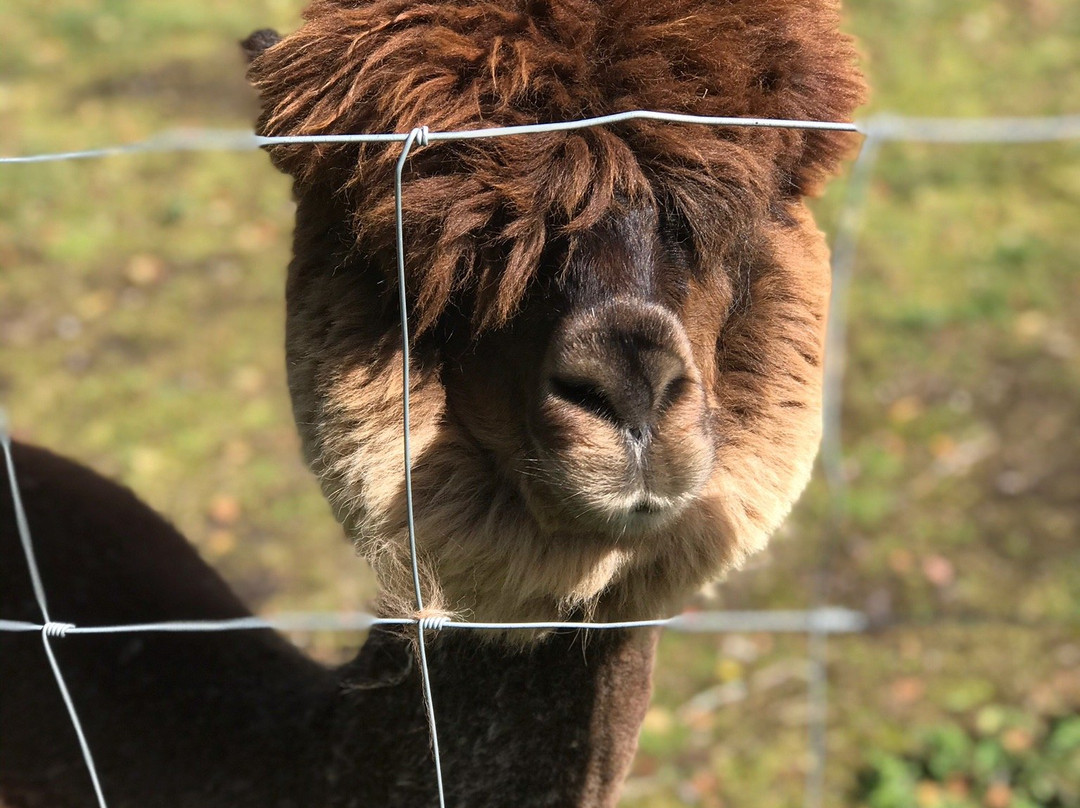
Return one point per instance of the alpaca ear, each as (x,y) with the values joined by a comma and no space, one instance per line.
(259,41)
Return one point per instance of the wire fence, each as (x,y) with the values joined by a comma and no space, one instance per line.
(817,623)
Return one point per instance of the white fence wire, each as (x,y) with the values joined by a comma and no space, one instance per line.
(817,623)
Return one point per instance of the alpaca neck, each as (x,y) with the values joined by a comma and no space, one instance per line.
(555,724)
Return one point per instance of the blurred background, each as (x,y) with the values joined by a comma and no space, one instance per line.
(141,303)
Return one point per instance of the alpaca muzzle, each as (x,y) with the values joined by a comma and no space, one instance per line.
(619,416)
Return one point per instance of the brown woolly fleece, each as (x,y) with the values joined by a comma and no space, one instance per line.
(508,239)
(391,65)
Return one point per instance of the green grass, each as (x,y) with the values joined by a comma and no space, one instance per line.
(140,330)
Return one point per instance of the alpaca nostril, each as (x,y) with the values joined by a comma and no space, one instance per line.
(622,400)
(631,396)
(626,363)
(586,395)
(671,392)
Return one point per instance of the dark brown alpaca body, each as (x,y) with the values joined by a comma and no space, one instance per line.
(242,719)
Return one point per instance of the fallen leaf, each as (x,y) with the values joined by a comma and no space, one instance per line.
(1030,325)
(941,446)
(928,794)
(658,721)
(938,570)
(729,670)
(999,795)
(958,787)
(1017,740)
(907,690)
(95,304)
(144,270)
(225,509)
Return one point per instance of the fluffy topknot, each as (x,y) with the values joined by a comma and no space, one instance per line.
(479,213)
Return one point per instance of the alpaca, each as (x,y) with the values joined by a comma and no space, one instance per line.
(615,380)
(617,347)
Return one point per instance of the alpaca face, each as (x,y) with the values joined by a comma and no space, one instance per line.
(590,402)
(638,427)
(616,363)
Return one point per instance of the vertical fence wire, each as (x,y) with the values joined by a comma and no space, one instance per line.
(419,135)
(851,218)
(50,629)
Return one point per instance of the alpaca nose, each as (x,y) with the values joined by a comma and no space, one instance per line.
(625,362)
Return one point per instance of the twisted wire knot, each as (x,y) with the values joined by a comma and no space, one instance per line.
(433,623)
(420,135)
(60,630)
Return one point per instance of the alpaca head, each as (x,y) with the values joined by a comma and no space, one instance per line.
(616,332)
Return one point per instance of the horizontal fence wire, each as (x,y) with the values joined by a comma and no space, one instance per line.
(817,623)
(826,621)
(884,127)
(216,140)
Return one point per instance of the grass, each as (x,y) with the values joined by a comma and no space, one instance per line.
(140,330)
